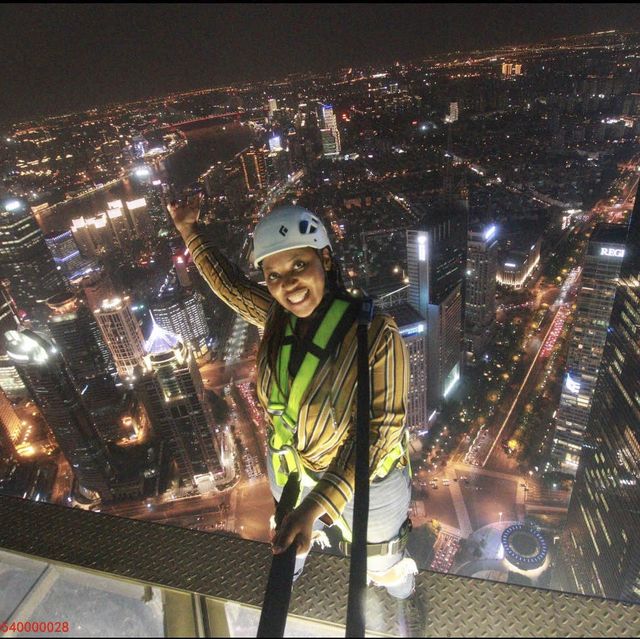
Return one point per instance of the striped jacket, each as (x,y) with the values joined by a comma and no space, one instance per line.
(326,424)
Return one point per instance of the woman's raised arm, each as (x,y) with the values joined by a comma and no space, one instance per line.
(228,282)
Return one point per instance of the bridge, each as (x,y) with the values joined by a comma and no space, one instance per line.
(177,125)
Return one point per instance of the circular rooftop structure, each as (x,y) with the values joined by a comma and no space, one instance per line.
(63,302)
(524,547)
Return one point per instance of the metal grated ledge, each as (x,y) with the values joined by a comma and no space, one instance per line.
(234,569)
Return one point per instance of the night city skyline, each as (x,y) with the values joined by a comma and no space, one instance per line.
(76,57)
(477,170)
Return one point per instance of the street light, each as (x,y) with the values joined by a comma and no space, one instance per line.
(500,517)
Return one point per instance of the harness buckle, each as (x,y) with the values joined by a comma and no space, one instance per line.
(276,409)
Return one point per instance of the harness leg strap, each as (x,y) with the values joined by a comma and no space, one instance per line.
(391,547)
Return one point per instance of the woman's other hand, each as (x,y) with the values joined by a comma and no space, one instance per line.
(297,528)
(185,214)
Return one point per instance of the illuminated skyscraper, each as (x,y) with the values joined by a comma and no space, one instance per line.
(86,237)
(601,543)
(115,228)
(510,69)
(76,333)
(480,287)
(272,106)
(119,225)
(418,270)
(53,389)
(122,334)
(181,312)
(181,265)
(413,329)
(172,391)
(67,256)
(436,258)
(518,264)
(139,217)
(10,425)
(26,261)
(97,287)
(275,143)
(594,304)
(329,131)
(10,380)
(254,168)
(453,114)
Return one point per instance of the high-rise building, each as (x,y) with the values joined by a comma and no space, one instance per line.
(277,166)
(413,328)
(10,381)
(67,256)
(480,287)
(272,106)
(254,168)
(86,237)
(172,391)
(52,388)
(181,312)
(116,228)
(436,259)
(329,133)
(26,261)
(453,114)
(275,143)
(119,226)
(97,287)
(510,69)
(595,301)
(11,426)
(76,333)
(122,334)
(139,145)
(138,215)
(517,265)
(601,542)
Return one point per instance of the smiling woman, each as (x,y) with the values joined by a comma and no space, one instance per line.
(306,382)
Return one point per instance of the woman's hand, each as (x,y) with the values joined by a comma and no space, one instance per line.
(185,214)
(296,528)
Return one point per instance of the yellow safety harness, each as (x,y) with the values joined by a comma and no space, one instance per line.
(284,407)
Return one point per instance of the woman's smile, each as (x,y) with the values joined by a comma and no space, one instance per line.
(296,279)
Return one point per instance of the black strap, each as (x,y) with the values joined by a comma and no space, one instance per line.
(358,563)
(275,607)
(301,348)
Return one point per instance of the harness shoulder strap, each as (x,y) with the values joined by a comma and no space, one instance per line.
(285,405)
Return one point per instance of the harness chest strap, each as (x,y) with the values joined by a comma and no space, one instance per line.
(285,408)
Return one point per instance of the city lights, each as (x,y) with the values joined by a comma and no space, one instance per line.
(23,347)
(12,205)
(142,172)
(132,205)
(484,200)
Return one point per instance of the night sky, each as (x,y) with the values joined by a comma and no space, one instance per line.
(57,58)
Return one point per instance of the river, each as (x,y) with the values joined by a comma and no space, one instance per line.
(206,146)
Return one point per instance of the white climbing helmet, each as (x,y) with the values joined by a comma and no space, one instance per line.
(288,227)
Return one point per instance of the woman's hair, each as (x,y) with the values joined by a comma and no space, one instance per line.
(275,329)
